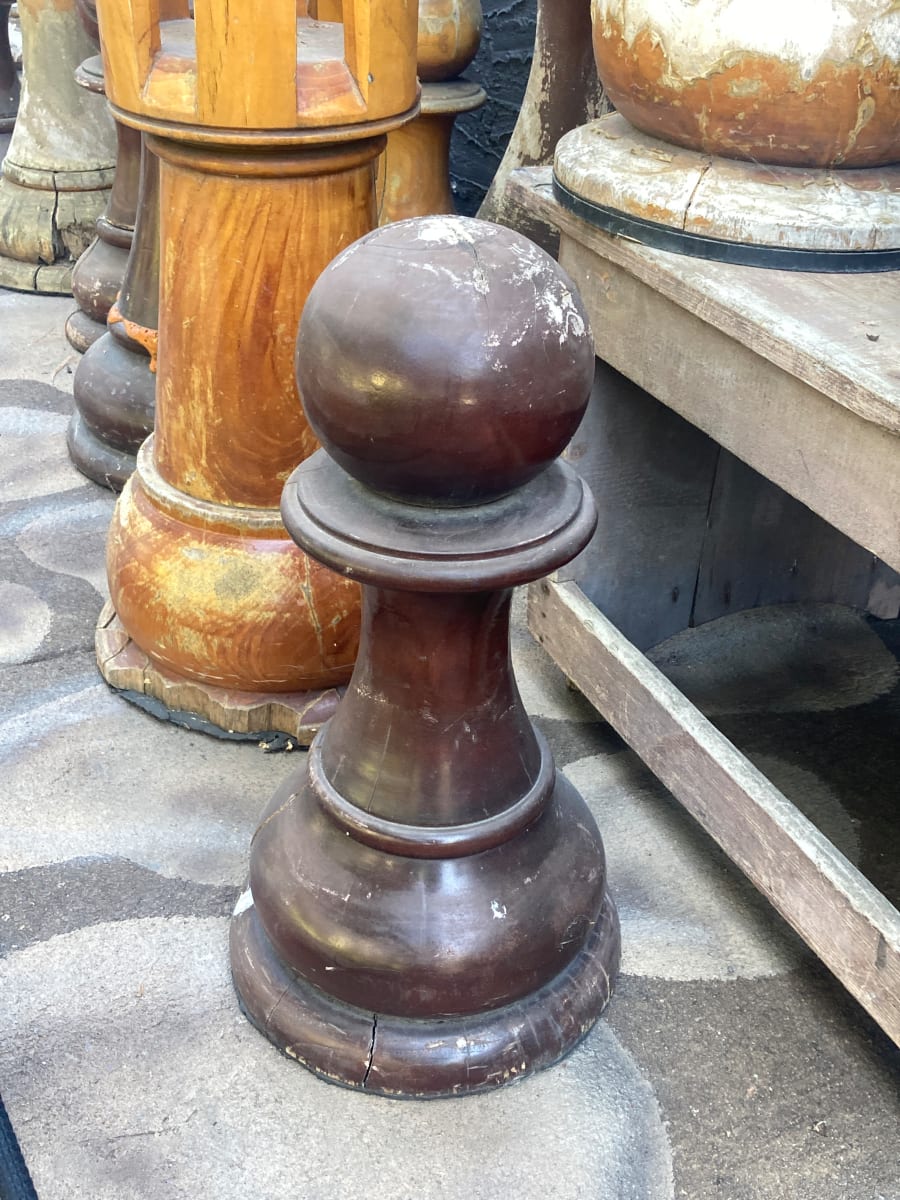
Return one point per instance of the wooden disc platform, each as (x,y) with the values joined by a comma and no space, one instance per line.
(451,96)
(750,213)
(286,720)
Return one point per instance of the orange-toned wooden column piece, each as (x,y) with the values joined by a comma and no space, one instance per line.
(414,171)
(267,130)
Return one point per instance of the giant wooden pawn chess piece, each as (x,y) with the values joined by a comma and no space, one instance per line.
(115,383)
(414,171)
(9,78)
(266,130)
(428,910)
(98,274)
(59,167)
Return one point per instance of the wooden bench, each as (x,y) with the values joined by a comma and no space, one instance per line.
(755,389)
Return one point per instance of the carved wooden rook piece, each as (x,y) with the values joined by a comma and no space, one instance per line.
(414,171)
(428,912)
(266,131)
(9,78)
(59,167)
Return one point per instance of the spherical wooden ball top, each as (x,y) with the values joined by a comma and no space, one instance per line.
(428,910)
(469,373)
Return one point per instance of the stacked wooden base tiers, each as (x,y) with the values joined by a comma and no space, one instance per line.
(425,1058)
(800,218)
(280,720)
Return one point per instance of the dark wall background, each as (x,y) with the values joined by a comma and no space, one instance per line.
(501,68)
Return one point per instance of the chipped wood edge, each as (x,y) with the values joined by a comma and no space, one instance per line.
(127,669)
(675,277)
(849,924)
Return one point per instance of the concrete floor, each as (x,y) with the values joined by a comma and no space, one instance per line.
(729,1065)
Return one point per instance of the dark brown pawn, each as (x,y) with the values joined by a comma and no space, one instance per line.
(9,78)
(115,382)
(98,274)
(428,912)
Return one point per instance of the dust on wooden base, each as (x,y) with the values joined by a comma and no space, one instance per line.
(127,669)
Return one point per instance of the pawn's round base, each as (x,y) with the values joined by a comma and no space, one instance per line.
(222,712)
(747,213)
(422,1058)
(115,400)
(99,461)
(82,330)
(47,220)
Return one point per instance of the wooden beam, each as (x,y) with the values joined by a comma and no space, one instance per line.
(832,906)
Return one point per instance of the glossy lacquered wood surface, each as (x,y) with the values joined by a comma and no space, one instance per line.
(428,911)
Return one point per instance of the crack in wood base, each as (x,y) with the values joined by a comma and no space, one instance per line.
(427,1058)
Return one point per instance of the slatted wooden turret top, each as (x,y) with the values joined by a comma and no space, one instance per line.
(297,66)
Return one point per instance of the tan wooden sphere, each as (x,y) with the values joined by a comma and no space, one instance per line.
(793,82)
(449,37)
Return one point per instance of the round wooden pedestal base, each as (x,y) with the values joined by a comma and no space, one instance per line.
(229,611)
(222,712)
(99,461)
(96,282)
(115,394)
(82,331)
(792,218)
(46,221)
(422,1058)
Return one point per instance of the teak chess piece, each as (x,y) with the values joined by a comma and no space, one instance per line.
(98,274)
(59,167)
(758,134)
(9,77)
(428,910)
(266,131)
(115,383)
(414,171)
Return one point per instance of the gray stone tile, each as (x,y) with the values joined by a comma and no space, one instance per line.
(129,1071)
(775,1089)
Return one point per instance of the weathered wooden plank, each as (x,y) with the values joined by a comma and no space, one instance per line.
(838,333)
(611,164)
(832,459)
(651,474)
(846,921)
(764,547)
(688,533)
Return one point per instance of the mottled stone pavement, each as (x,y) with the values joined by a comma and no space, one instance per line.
(730,1064)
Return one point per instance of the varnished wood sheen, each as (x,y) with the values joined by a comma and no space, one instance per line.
(414,171)
(98,274)
(429,913)
(230,70)
(266,131)
(115,382)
